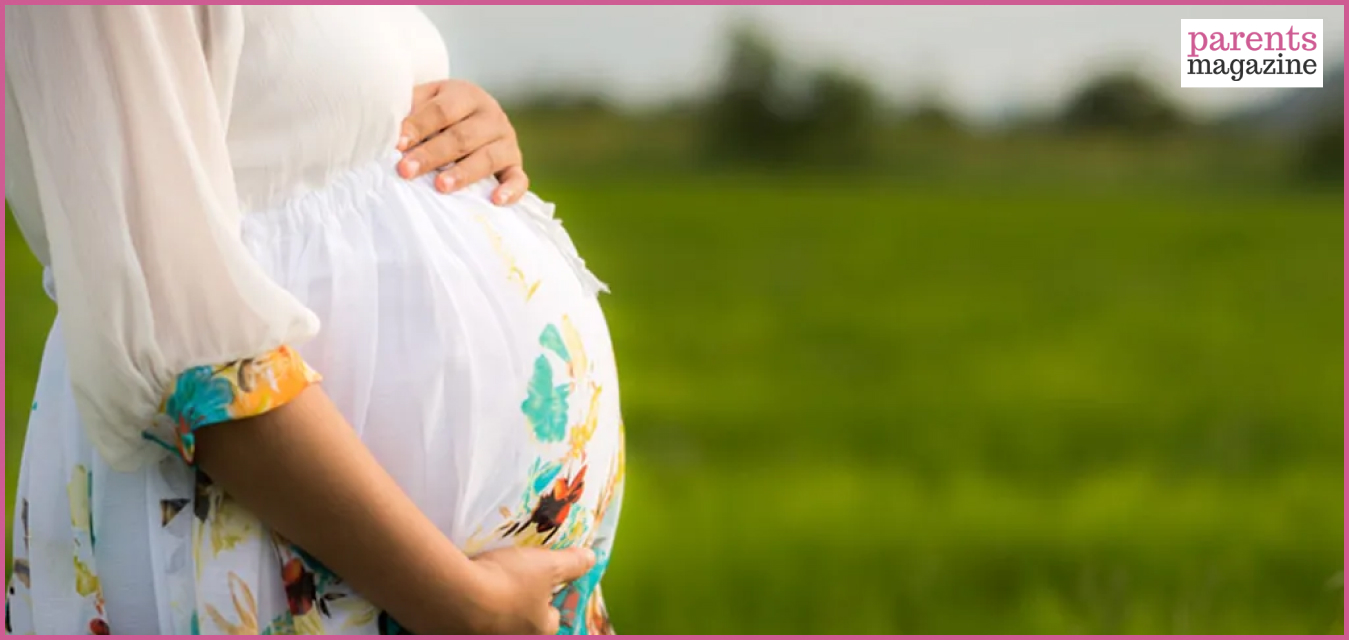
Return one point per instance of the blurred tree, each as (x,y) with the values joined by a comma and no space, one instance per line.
(933,116)
(1123,103)
(765,112)
(1322,152)
(929,109)
(841,119)
(748,117)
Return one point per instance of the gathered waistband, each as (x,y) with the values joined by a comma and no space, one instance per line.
(362,187)
(355,183)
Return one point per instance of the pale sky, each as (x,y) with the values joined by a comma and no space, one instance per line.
(987,61)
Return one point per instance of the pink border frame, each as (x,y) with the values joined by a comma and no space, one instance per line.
(4,516)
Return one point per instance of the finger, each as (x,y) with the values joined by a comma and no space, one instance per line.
(421,94)
(571,564)
(514,184)
(450,145)
(435,115)
(478,165)
(424,92)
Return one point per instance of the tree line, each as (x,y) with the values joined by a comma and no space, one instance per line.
(765,110)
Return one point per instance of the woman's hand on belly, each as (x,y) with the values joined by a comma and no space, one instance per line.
(514,588)
(454,121)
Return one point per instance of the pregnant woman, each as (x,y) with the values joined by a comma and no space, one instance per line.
(289,391)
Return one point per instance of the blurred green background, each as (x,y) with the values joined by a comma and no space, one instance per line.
(884,372)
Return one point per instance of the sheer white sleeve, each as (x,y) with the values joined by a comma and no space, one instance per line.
(123,110)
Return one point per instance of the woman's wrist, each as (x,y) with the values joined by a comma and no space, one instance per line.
(456,605)
(468,607)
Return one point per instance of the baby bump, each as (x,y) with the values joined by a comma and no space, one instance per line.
(460,345)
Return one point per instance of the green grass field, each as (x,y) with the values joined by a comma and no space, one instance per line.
(858,407)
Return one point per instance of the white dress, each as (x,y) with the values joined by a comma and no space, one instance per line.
(209,188)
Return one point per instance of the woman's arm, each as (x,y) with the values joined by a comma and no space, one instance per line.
(122,111)
(305,473)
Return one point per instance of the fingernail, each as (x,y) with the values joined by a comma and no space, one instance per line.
(403,143)
(445,183)
(409,168)
(504,196)
(589,555)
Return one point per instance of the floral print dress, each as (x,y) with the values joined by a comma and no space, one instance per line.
(247,238)
(544,465)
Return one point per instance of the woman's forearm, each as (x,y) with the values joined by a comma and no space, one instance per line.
(303,471)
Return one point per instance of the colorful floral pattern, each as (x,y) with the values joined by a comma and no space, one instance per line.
(208,395)
(79,491)
(549,512)
(546,405)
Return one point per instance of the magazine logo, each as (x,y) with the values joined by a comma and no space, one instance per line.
(1251,53)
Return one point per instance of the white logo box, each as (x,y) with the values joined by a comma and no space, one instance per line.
(1250,53)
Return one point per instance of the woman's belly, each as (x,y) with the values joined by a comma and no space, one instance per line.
(467,350)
